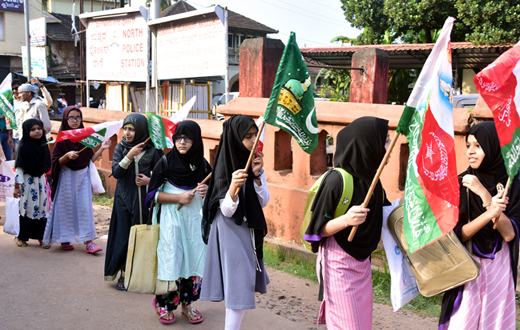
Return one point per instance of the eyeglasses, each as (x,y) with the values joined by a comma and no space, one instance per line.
(178,138)
(73,119)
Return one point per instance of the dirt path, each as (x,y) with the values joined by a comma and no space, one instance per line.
(295,298)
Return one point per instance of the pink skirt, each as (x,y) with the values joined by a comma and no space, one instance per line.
(488,302)
(347,283)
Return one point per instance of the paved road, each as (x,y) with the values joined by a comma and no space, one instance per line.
(55,289)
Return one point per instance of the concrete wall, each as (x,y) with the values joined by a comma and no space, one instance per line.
(14,28)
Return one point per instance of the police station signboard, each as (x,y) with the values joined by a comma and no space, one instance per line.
(117,48)
(191,49)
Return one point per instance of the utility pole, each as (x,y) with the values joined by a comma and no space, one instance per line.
(27,38)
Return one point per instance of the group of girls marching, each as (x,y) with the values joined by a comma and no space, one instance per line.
(226,261)
(70,217)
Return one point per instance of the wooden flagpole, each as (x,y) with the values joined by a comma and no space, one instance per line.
(253,152)
(374,181)
(194,190)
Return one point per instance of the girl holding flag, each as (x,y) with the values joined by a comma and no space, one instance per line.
(181,251)
(343,267)
(234,268)
(32,162)
(71,216)
(487,302)
(132,165)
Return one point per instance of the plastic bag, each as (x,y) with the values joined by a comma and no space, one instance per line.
(6,179)
(95,179)
(12,221)
(404,286)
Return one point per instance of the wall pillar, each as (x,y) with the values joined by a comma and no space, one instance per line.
(259,60)
(370,85)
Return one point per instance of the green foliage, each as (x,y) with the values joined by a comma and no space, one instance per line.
(400,85)
(103,200)
(344,40)
(287,260)
(416,21)
(490,22)
(164,3)
(336,84)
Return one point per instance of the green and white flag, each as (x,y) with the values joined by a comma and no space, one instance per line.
(91,136)
(291,105)
(6,102)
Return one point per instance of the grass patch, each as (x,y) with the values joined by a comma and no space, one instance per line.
(292,262)
(103,200)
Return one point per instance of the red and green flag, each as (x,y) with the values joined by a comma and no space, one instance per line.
(161,129)
(291,105)
(91,136)
(499,86)
(431,195)
(6,102)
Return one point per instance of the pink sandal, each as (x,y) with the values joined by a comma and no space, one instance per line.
(162,312)
(92,248)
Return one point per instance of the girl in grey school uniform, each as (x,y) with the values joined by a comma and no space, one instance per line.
(234,225)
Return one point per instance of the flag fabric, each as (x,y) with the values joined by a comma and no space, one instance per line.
(259,122)
(91,136)
(291,105)
(499,86)
(6,102)
(162,129)
(431,195)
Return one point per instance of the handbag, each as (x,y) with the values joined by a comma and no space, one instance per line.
(141,260)
(12,213)
(438,267)
(95,179)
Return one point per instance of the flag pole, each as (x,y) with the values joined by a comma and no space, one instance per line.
(504,195)
(253,152)
(194,190)
(374,182)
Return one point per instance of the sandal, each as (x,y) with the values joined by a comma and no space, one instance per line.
(121,284)
(163,313)
(67,246)
(20,243)
(193,316)
(92,248)
(44,246)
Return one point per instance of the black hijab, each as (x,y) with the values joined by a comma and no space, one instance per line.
(188,170)
(491,171)
(33,155)
(61,148)
(140,124)
(232,155)
(360,148)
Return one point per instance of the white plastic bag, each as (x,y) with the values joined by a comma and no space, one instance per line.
(6,179)
(12,221)
(404,286)
(95,180)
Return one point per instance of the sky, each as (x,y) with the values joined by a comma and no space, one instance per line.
(315,22)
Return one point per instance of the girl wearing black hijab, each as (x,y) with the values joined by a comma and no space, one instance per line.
(344,267)
(487,302)
(181,251)
(32,162)
(132,165)
(71,216)
(234,225)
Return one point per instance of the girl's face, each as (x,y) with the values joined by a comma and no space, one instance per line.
(474,152)
(249,139)
(36,132)
(182,143)
(74,119)
(129,133)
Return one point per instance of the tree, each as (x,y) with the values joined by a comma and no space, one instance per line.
(164,3)
(478,21)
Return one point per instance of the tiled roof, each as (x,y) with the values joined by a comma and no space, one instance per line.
(60,30)
(235,20)
(411,56)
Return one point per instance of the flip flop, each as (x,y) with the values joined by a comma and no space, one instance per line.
(191,314)
(165,321)
(121,288)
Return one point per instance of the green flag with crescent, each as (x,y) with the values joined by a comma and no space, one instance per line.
(291,105)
